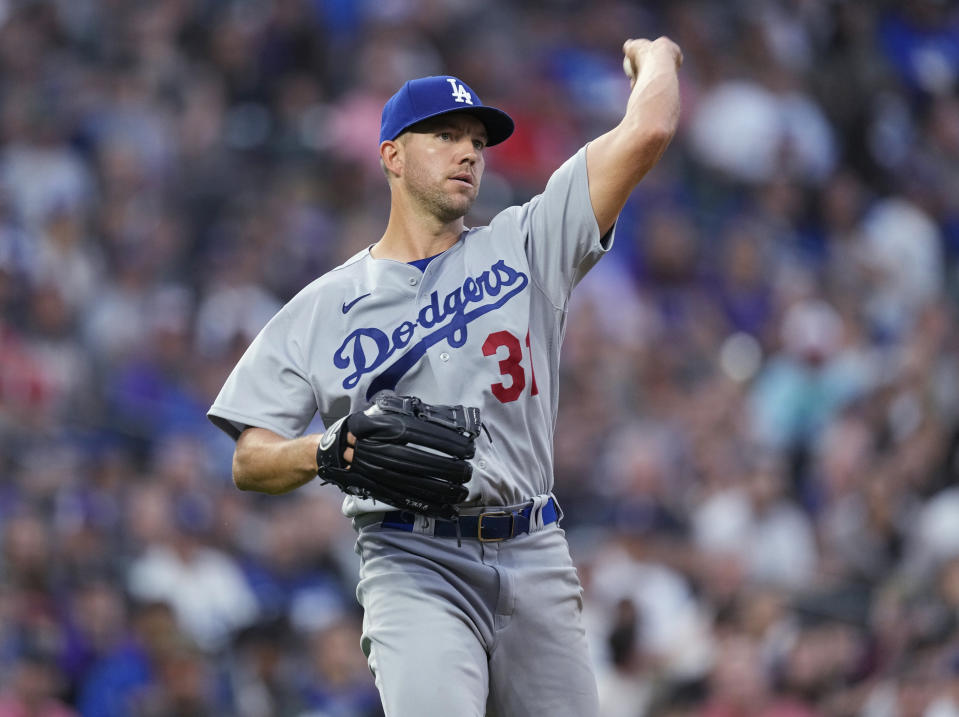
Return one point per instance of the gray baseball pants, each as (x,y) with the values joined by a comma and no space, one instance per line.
(486,628)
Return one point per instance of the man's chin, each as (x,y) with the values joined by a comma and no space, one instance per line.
(456,210)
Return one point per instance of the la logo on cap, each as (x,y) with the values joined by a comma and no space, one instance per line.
(460,93)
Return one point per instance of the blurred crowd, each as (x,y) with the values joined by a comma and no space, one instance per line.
(758,441)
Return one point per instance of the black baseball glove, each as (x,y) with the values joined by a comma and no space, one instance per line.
(408,454)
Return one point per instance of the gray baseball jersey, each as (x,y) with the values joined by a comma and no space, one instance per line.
(481,326)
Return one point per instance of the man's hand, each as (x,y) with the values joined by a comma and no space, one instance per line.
(636,53)
(406,453)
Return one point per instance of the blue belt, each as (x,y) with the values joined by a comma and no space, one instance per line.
(490,527)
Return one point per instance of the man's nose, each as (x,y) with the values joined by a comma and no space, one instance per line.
(469,151)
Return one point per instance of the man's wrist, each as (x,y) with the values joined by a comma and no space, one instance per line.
(314,444)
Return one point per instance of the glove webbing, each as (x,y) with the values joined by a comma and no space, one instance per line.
(465,419)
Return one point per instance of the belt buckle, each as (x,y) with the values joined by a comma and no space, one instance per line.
(494,514)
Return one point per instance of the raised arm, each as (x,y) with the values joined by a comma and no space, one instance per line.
(617,160)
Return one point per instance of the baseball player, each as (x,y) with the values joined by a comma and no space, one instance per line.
(432,357)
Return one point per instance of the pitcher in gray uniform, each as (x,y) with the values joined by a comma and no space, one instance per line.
(479,614)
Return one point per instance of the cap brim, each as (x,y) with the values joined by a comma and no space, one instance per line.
(499,125)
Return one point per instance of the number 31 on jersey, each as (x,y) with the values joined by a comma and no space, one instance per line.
(510,366)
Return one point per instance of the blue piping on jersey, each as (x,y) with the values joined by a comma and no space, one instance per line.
(421,264)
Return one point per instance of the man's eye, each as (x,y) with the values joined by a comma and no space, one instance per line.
(445,135)
(478,145)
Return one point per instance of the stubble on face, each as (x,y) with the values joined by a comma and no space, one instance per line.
(428,192)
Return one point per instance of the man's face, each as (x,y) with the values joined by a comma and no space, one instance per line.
(444,164)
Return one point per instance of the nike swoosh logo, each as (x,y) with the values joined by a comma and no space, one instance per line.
(348,306)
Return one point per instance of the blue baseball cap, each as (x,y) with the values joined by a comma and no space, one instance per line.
(427,97)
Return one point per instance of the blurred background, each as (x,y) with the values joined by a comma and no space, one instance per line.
(758,442)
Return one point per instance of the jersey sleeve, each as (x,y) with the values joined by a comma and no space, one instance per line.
(269,386)
(562,239)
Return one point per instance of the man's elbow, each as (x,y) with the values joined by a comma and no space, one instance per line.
(637,147)
(647,147)
(655,138)
(648,133)
(244,477)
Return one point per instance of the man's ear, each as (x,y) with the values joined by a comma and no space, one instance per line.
(391,155)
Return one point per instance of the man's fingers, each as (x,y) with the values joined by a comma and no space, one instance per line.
(673,48)
(350,439)
(635,45)
(635,51)
(635,48)
(348,455)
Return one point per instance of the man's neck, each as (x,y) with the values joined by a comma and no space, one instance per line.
(408,238)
